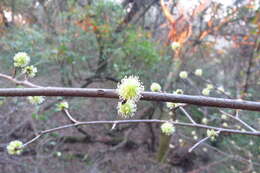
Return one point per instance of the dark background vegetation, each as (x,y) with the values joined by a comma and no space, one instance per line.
(86,43)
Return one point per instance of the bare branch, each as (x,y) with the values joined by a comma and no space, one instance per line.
(187,115)
(198,143)
(69,116)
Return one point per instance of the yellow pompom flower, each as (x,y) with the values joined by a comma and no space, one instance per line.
(15,147)
(30,71)
(204,120)
(198,72)
(210,86)
(130,88)
(126,109)
(193,133)
(35,100)
(167,128)
(175,45)
(206,91)
(171,105)
(63,105)
(21,59)
(155,87)
(225,124)
(224,117)
(178,91)
(212,134)
(195,137)
(183,74)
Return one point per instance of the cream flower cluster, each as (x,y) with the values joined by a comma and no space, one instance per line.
(30,71)
(206,91)
(22,60)
(129,91)
(130,88)
(175,45)
(183,74)
(62,106)
(15,147)
(35,100)
(212,134)
(167,128)
(172,105)
(155,87)
(198,72)
(126,109)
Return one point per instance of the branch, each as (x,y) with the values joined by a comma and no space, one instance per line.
(18,82)
(150,96)
(37,90)
(239,120)
(69,116)
(187,115)
(200,142)
(221,130)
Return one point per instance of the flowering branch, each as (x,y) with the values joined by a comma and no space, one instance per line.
(19,82)
(37,90)
(81,123)
(150,96)
(201,141)
(239,120)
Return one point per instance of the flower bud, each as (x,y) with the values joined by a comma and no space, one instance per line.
(198,72)
(183,74)
(224,117)
(155,87)
(210,86)
(204,121)
(225,124)
(175,45)
(178,91)
(206,91)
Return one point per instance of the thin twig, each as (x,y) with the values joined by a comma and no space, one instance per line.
(74,121)
(239,120)
(32,140)
(69,116)
(198,143)
(222,130)
(19,82)
(224,153)
(187,115)
(201,141)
